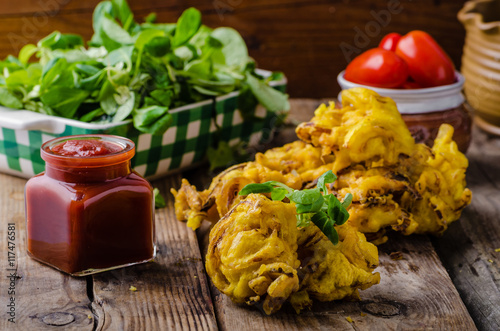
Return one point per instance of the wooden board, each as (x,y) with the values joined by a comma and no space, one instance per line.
(43,297)
(304,39)
(172,292)
(467,249)
(415,293)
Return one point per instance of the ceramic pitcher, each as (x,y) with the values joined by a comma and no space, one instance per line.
(481,61)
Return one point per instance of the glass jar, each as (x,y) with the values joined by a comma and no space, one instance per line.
(425,109)
(89,211)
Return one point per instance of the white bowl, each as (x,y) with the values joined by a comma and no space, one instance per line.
(417,101)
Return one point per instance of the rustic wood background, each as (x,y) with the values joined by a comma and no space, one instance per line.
(441,283)
(302,38)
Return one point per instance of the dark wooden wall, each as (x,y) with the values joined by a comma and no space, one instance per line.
(311,41)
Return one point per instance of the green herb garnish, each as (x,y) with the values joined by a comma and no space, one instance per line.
(159,200)
(315,205)
(134,71)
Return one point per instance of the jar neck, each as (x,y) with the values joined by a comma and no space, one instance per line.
(87,174)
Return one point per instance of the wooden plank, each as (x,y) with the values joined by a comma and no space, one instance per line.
(299,37)
(172,292)
(467,249)
(415,293)
(44,298)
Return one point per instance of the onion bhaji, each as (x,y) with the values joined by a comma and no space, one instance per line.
(396,184)
(258,255)
(367,129)
(294,164)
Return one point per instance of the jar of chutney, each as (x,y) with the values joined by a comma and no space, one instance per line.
(89,211)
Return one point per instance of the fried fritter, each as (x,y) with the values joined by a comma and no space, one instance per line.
(257,255)
(253,252)
(376,198)
(332,272)
(423,193)
(367,129)
(294,164)
(441,186)
(396,184)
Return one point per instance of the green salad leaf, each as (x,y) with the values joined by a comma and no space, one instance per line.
(312,205)
(132,71)
(159,199)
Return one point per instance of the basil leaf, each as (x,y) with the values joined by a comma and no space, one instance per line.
(151,18)
(159,200)
(304,220)
(56,71)
(64,100)
(123,13)
(154,120)
(125,109)
(90,116)
(347,200)
(247,102)
(8,99)
(97,18)
(326,178)
(122,54)
(187,25)
(334,207)
(113,36)
(256,188)
(278,193)
(221,156)
(158,46)
(26,52)
(270,98)
(305,197)
(233,47)
(57,40)
(326,225)
(163,97)
(311,208)
(343,217)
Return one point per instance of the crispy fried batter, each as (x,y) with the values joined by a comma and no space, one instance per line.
(395,183)
(256,253)
(253,252)
(293,164)
(333,272)
(367,129)
(252,258)
(441,184)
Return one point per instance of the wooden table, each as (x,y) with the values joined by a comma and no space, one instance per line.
(447,283)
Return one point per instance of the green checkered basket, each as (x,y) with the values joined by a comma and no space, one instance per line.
(195,127)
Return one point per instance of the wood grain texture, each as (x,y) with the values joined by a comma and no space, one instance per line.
(415,293)
(44,297)
(305,39)
(172,292)
(467,248)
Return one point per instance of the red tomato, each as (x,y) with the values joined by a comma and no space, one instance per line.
(428,64)
(410,85)
(390,41)
(378,68)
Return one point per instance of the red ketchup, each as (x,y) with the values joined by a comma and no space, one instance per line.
(89,211)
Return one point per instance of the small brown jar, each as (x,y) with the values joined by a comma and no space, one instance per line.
(89,211)
(425,109)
